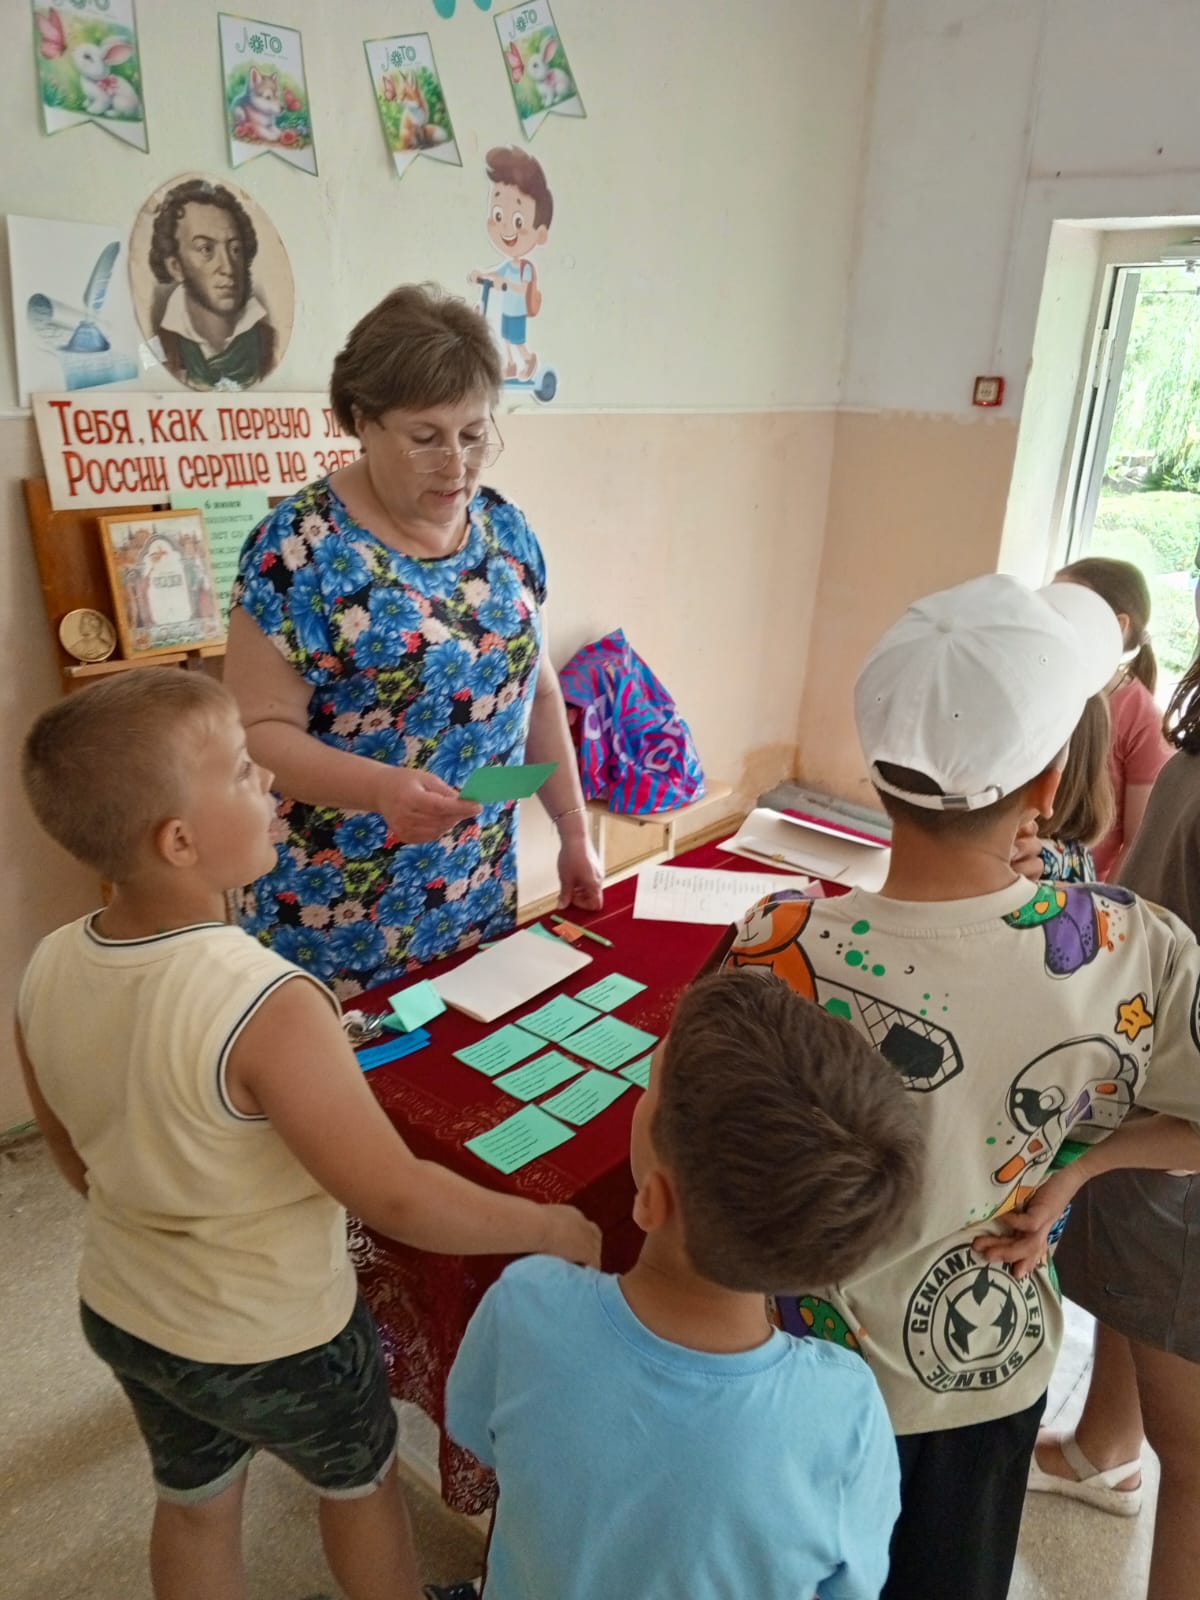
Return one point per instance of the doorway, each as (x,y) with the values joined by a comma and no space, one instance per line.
(1136,492)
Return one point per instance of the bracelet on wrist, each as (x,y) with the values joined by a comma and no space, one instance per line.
(571,811)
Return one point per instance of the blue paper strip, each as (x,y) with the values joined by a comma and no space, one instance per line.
(392,1049)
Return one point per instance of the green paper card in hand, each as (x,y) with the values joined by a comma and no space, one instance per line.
(519,1139)
(418,1004)
(610,992)
(499,1050)
(536,1077)
(586,1097)
(638,1072)
(611,1042)
(490,785)
(559,1018)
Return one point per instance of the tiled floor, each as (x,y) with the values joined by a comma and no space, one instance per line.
(1068,1550)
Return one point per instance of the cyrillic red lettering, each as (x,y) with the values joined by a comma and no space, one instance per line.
(64,409)
(152,476)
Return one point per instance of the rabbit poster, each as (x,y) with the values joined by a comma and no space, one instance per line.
(72,313)
(538,71)
(411,100)
(89,68)
(266,93)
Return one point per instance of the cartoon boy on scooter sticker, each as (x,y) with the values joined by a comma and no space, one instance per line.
(520,210)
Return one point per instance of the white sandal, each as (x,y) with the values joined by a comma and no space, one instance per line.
(1089,1485)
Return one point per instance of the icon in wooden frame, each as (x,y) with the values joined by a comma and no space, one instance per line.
(160,571)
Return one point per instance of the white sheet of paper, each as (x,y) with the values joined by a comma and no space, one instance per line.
(507,975)
(690,894)
(767,835)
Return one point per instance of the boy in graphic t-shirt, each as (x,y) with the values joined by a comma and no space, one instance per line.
(1018,1016)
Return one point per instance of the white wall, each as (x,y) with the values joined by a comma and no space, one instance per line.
(991,119)
(703,210)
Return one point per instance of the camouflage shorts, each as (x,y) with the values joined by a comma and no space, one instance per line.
(325,1412)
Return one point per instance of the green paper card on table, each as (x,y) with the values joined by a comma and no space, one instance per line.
(611,1042)
(586,1097)
(418,1004)
(559,1018)
(500,1050)
(519,1139)
(638,1072)
(492,785)
(536,1077)
(609,993)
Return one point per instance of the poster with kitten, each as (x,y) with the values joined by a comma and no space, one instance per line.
(267,107)
(411,100)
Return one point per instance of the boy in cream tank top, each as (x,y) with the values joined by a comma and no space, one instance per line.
(198,1091)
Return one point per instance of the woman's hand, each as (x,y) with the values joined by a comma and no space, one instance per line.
(581,882)
(419,807)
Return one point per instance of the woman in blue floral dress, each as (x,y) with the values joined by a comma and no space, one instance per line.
(387,640)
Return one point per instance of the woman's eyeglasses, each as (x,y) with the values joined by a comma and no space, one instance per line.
(436,457)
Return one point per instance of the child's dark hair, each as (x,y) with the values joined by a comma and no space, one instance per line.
(105,766)
(795,1149)
(1085,806)
(949,824)
(1181,725)
(1122,585)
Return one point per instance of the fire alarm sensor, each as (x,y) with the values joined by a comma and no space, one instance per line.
(988,392)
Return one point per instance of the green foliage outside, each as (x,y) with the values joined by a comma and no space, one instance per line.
(1157,425)
(1158,530)
(61,84)
(1149,510)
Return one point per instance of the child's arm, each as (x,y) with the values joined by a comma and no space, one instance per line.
(293,1064)
(65,1156)
(1161,1144)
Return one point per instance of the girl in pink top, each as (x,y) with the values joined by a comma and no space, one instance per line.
(1138,751)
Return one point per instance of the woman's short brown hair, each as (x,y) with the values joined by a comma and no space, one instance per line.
(418,348)
(795,1149)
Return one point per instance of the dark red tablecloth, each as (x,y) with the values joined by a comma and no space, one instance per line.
(423,1302)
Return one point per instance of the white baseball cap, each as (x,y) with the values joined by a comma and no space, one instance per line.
(980,687)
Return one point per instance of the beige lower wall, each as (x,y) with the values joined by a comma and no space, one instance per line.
(701,536)
(916,503)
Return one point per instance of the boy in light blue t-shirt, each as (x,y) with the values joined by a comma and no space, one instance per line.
(654,1435)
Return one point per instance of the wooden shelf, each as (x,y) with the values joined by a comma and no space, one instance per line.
(106,669)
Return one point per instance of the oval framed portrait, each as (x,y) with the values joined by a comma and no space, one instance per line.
(211,283)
